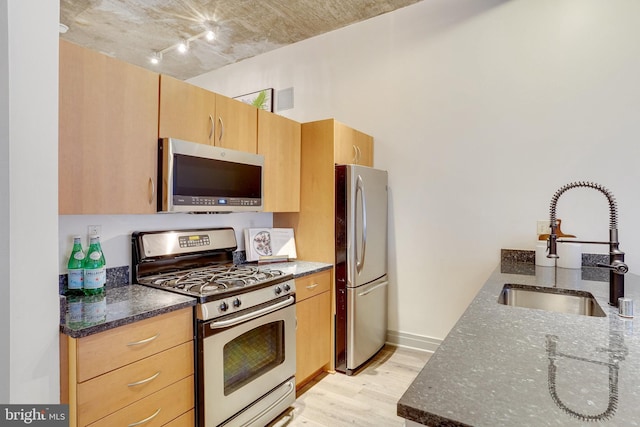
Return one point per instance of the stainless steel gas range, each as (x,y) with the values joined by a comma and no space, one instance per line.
(245,322)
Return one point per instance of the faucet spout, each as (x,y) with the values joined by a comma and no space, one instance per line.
(617,267)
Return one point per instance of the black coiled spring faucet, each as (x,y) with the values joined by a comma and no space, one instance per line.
(617,267)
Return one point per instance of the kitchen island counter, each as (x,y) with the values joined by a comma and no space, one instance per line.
(505,366)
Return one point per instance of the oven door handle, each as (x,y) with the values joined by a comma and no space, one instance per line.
(218,324)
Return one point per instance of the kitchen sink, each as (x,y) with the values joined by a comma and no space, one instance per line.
(551,299)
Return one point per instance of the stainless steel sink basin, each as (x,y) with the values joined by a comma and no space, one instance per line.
(551,299)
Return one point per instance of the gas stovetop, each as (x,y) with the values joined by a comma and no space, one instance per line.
(216,280)
(199,263)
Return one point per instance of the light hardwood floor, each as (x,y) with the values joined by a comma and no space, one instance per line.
(365,399)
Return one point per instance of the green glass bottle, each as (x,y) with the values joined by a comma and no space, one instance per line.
(94,268)
(75,269)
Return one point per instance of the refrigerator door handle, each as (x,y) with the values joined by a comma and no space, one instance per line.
(368,291)
(360,257)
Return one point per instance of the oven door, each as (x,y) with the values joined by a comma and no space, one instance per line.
(245,358)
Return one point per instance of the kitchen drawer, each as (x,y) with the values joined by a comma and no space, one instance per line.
(107,393)
(172,406)
(108,350)
(314,284)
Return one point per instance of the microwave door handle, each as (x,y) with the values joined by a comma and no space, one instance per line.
(360,191)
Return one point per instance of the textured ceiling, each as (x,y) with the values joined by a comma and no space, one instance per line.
(132,30)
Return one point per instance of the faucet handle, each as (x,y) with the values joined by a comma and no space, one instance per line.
(618,267)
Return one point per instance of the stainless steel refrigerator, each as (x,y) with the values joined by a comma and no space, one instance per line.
(361,265)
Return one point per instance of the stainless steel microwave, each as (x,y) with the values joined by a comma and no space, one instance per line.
(202,178)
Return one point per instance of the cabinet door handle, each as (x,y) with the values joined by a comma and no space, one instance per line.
(359,154)
(221,129)
(312,286)
(144,341)
(152,190)
(144,381)
(137,423)
(211,130)
(355,154)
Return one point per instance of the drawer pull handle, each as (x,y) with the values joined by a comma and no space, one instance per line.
(144,341)
(146,380)
(313,286)
(146,419)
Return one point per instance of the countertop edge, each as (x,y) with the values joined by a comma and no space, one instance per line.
(426,418)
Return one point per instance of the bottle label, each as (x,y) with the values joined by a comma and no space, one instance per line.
(75,278)
(79,255)
(95,255)
(95,278)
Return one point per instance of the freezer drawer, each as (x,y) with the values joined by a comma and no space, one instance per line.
(366,321)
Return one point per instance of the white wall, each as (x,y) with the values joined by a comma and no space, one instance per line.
(28,187)
(481,110)
(5,226)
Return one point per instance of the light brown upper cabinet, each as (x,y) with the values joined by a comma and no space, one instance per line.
(279,143)
(237,125)
(108,133)
(323,145)
(187,112)
(352,146)
(194,114)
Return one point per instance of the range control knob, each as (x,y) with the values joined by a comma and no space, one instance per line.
(237,302)
(278,290)
(224,306)
(287,288)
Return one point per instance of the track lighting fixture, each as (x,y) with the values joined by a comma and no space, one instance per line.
(156,58)
(183,46)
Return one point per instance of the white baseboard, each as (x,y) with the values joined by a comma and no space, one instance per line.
(418,342)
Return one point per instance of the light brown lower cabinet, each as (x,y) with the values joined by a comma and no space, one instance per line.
(313,334)
(139,373)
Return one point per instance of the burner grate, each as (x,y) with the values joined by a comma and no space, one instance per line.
(213,279)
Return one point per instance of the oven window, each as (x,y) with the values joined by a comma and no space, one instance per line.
(252,354)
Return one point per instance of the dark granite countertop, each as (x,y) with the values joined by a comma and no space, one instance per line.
(117,306)
(506,366)
(124,304)
(299,268)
